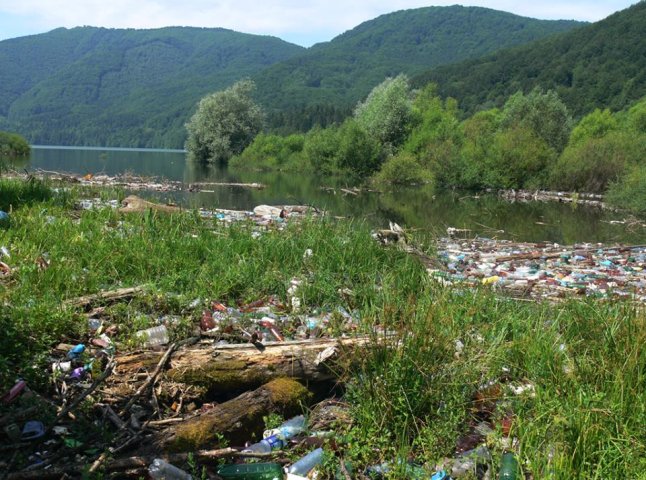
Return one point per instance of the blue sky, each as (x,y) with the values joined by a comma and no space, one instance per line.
(301,22)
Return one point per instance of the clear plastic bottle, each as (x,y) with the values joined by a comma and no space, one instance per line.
(154,336)
(266,445)
(289,429)
(303,466)
(252,471)
(162,470)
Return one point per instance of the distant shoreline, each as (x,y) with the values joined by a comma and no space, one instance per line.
(107,149)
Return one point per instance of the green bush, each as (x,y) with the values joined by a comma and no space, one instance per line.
(592,164)
(629,192)
(520,160)
(13,145)
(358,152)
(402,169)
(272,152)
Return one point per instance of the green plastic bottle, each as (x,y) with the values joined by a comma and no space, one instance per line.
(509,467)
(252,471)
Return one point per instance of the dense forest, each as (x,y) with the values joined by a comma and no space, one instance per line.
(344,70)
(602,65)
(97,86)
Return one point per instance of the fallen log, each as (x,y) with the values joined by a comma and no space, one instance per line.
(223,368)
(135,204)
(237,420)
(197,185)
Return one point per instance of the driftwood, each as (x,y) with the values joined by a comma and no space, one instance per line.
(224,368)
(135,204)
(237,420)
(105,297)
(198,185)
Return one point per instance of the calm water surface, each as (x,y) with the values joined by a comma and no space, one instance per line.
(421,208)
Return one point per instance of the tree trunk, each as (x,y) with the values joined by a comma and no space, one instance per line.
(211,370)
(237,420)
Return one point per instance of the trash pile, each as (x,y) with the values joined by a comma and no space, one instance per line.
(264,352)
(544,270)
(153,411)
(262,215)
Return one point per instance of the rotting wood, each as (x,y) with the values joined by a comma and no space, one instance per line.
(254,185)
(135,204)
(238,419)
(151,380)
(220,368)
(105,296)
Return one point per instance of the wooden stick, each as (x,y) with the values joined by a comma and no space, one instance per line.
(150,380)
(106,373)
(110,295)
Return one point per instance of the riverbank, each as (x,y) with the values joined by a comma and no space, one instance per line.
(561,386)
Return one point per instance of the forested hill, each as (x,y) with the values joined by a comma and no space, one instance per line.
(601,65)
(344,70)
(97,86)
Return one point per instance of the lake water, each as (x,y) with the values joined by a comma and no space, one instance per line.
(421,208)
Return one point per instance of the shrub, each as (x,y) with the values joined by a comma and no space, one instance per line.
(270,152)
(13,145)
(402,169)
(629,192)
(520,160)
(591,165)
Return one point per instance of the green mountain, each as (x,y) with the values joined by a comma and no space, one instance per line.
(344,70)
(97,86)
(602,65)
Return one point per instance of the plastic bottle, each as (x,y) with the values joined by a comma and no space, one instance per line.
(154,336)
(289,429)
(508,467)
(307,463)
(162,470)
(266,445)
(252,471)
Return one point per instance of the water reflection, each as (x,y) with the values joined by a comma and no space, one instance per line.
(423,208)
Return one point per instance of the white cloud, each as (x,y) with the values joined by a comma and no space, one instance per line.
(316,20)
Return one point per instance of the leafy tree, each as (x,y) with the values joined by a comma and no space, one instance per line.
(594,125)
(224,124)
(478,148)
(357,151)
(543,113)
(630,191)
(387,112)
(403,169)
(520,160)
(592,164)
(269,152)
(320,149)
(13,145)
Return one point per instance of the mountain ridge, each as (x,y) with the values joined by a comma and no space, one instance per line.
(137,88)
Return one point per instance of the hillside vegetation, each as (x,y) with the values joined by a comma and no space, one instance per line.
(112,87)
(344,70)
(602,65)
(97,86)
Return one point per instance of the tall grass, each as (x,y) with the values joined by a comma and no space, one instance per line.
(414,394)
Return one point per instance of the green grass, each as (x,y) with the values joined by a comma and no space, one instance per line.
(411,395)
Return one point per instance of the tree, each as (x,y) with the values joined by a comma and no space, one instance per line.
(224,124)
(387,112)
(543,113)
